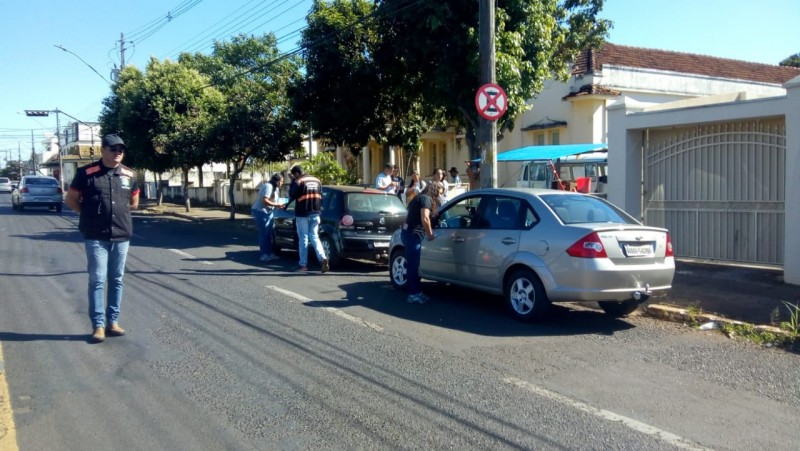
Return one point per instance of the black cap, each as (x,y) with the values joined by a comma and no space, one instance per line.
(453,169)
(113,140)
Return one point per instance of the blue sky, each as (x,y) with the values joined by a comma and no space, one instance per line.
(34,74)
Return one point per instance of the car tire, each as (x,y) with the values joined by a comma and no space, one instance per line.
(618,309)
(330,251)
(59,207)
(20,207)
(398,269)
(525,296)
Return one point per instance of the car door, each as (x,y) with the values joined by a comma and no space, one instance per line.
(442,258)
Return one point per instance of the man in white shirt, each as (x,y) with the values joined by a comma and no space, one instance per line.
(384,180)
(456,180)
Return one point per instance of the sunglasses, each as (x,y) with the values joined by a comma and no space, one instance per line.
(116,149)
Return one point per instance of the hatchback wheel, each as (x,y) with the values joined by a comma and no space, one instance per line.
(59,207)
(398,268)
(525,296)
(619,308)
(330,251)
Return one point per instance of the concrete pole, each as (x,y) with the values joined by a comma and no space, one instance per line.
(487,130)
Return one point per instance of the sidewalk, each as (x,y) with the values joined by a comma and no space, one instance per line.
(749,294)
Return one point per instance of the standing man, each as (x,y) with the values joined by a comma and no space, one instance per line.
(399,183)
(456,180)
(265,202)
(103,194)
(306,191)
(384,180)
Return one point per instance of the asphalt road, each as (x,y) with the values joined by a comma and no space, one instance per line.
(225,353)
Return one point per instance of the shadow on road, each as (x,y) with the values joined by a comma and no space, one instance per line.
(469,311)
(13,336)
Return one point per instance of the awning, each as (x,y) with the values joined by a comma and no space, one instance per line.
(549,152)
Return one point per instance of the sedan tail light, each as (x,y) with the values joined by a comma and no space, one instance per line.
(24,190)
(669,252)
(589,246)
(60,191)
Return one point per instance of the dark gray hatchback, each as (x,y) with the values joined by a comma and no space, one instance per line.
(355,222)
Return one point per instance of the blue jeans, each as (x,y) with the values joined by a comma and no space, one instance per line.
(308,230)
(265,225)
(413,249)
(105,259)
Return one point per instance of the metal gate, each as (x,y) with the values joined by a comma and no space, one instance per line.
(719,189)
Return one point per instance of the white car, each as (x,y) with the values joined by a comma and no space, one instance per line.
(5,185)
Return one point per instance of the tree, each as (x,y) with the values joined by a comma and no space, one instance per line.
(404,66)
(127,112)
(535,40)
(257,122)
(792,61)
(165,115)
(347,95)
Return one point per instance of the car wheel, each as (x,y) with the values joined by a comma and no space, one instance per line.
(330,251)
(525,296)
(398,268)
(20,207)
(59,207)
(617,309)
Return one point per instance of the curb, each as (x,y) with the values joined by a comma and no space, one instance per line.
(682,315)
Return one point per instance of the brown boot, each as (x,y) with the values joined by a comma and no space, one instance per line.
(115,331)
(99,335)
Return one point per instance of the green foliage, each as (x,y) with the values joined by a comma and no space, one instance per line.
(394,69)
(793,325)
(792,61)
(325,167)
(755,335)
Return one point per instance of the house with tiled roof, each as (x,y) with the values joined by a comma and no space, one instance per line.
(575,111)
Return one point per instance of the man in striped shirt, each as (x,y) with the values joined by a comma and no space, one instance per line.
(306,191)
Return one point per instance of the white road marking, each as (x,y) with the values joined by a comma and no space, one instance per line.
(638,426)
(335,311)
(186,255)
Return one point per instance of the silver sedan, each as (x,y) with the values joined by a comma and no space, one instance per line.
(537,246)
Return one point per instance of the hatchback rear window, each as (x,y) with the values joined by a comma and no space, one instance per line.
(374,203)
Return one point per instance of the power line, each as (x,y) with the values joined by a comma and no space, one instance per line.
(141,34)
(319,41)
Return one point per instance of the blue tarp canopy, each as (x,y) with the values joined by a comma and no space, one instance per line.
(548,152)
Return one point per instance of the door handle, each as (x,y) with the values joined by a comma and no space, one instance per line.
(508,241)
(458,239)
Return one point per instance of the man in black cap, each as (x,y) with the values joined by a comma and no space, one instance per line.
(103,194)
(456,180)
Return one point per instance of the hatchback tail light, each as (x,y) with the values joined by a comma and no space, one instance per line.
(669,252)
(589,246)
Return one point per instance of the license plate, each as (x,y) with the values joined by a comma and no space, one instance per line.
(381,244)
(638,250)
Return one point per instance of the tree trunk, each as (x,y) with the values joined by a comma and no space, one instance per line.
(187,202)
(237,169)
(159,190)
(200,176)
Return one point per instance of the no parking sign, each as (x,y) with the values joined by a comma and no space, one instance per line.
(491,101)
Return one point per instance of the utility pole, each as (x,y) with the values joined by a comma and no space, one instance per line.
(33,153)
(121,51)
(487,129)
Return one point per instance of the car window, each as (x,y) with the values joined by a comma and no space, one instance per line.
(579,209)
(4,180)
(374,203)
(500,213)
(42,182)
(459,215)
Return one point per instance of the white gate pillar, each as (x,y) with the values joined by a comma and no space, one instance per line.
(624,160)
(791,256)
